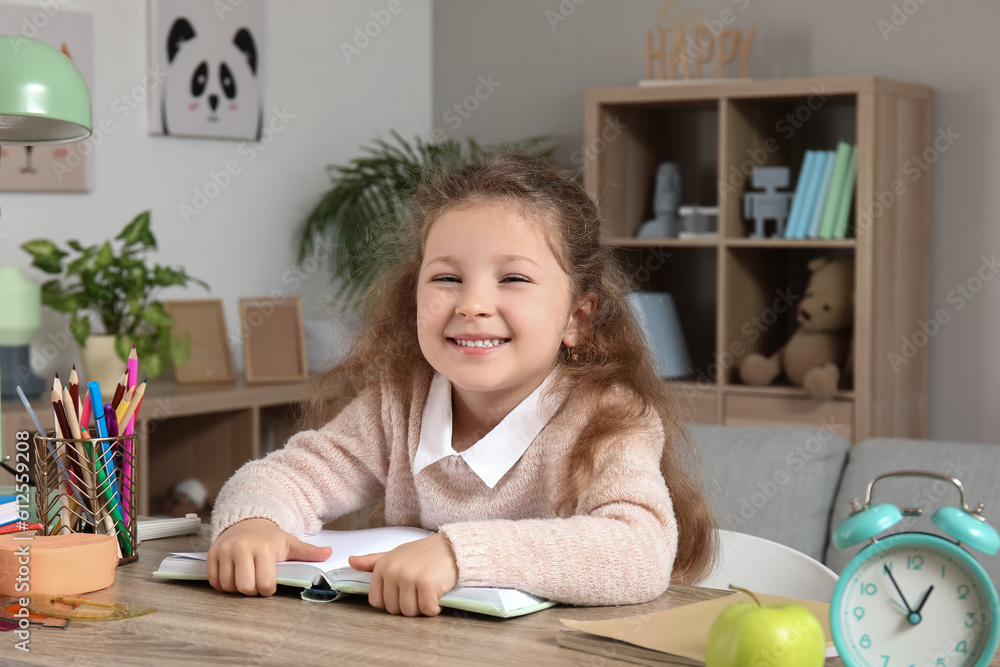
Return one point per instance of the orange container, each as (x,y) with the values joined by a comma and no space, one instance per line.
(58,564)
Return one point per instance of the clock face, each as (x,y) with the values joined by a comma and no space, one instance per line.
(914,600)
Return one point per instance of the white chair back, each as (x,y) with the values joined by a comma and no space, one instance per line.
(763,566)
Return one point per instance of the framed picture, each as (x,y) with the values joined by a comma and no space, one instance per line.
(274,342)
(58,167)
(211,54)
(211,357)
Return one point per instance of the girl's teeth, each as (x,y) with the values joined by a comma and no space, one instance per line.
(479,343)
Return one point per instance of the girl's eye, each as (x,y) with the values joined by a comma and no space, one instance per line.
(444,279)
(515,278)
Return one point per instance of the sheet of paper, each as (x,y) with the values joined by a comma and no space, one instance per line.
(684,630)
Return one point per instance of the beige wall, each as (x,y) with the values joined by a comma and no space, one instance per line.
(537,67)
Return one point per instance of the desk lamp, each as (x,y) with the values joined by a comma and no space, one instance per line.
(43,97)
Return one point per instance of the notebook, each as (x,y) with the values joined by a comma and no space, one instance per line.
(8,509)
(332,579)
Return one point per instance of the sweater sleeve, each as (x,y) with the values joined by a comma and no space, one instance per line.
(318,475)
(619,548)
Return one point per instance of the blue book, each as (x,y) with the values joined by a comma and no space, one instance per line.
(821,193)
(795,215)
(812,190)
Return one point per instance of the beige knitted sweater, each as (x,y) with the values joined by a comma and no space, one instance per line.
(617,548)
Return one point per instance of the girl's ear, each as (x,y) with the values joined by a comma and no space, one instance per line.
(578,320)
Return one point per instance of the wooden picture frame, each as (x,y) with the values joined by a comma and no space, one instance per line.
(211,357)
(274,340)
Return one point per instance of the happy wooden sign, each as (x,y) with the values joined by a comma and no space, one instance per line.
(684,50)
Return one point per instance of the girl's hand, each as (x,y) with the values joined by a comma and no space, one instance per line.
(411,578)
(245,556)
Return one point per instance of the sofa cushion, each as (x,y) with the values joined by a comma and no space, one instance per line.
(976,466)
(773,482)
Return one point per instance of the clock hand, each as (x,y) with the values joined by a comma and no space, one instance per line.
(893,580)
(926,595)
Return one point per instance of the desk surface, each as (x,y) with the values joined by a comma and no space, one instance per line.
(196,625)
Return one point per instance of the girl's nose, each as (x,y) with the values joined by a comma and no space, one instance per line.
(475,302)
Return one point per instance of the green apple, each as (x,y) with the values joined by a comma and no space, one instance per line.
(755,635)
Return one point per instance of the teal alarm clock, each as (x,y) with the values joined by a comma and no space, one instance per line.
(915,599)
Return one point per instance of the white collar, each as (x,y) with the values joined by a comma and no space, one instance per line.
(497,451)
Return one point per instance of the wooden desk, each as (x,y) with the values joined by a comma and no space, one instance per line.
(196,625)
(202,431)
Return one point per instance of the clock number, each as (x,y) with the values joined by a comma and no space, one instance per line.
(914,562)
(869,589)
(859,613)
(971,621)
(886,658)
(942,571)
(940,661)
(961,647)
(963,592)
(866,641)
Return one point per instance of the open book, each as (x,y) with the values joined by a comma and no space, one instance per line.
(331,579)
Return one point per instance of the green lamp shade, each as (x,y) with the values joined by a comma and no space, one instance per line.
(43,97)
(20,308)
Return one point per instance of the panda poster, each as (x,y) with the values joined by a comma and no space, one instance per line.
(211,53)
(55,167)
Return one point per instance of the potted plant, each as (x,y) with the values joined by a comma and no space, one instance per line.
(114,282)
(371,192)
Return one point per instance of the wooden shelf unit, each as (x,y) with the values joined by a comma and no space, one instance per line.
(201,431)
(736,295)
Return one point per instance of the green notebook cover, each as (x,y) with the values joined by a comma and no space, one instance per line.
(847,195)
(835,193)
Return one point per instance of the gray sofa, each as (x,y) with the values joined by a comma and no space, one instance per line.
(794,485)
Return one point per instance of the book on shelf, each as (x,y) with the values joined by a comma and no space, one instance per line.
(812,187)
(333,578)
(677,636)
(847,196)
(838,182)
(795,214)
(819,202)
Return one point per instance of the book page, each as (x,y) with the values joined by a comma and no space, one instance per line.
(360,542)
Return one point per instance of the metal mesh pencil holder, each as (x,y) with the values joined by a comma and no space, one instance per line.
(89,486)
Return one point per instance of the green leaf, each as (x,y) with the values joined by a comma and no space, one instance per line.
(80,328)
(138,232)
(105,256)
(154,364)
(156,315)
(164,276)
(45,255)
(75,245)
(180,350)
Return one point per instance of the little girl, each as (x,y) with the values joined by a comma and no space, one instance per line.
(501,394)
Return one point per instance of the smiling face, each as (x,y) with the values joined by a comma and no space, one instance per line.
(493,304)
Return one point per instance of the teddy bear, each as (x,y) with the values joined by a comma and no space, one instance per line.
(822,344)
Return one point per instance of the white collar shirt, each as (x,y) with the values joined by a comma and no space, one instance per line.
(495,453)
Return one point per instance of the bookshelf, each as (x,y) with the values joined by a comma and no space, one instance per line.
(736,295)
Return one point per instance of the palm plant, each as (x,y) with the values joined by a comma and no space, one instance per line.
(368,198)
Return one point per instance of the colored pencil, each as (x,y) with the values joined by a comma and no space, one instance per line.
(128,443)
(119,390)
(85,411)
(66,483)
(74,392)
